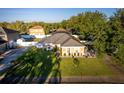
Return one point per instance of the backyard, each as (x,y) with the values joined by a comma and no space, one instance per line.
(41,66)
(84,67)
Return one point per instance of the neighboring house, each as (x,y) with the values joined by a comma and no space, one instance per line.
(67,44)
(8,34)
(37,31)
(9,37)
(26,40)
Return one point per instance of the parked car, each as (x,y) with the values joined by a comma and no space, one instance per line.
(39,45)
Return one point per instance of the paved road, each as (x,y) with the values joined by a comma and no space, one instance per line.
(9,56)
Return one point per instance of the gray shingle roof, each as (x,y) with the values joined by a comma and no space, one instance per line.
(72,42)
(63,38)
(57,38)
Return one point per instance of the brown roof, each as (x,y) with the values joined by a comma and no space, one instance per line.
(37,27)
(60,29)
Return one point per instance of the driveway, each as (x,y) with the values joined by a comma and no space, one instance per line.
(9,56)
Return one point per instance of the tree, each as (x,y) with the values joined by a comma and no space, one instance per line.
(19,26)
(91,26)
(116,35)
(4,24)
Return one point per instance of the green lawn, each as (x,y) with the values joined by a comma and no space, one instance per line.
(39,63)
(37,40)
(86,66)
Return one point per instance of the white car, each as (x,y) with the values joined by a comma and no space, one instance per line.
(39,45)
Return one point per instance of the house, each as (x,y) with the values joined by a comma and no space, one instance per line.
(8,38)
(67,44)
(37,31)
(8,34)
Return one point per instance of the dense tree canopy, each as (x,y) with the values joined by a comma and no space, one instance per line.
(90,26)
(116,35)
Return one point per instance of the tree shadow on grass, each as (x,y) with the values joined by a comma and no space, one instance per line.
(56,73)
(76,62)
(34,67)
(56,77)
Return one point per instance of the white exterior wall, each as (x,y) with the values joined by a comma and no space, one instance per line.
(75,51)
(27,43)
(40,36)
(23,43)
(38,33)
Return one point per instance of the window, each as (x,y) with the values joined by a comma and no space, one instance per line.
(68,50)
(76,51)
(72,49)
(78,54)
(63,49)
(64,54)
(74,54)
(81,54)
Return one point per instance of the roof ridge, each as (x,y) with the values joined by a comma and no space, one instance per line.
(72,37)
(61,32)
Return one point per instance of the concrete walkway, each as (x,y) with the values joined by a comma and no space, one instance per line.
(9,56)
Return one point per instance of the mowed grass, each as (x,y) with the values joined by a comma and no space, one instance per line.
(86,67)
